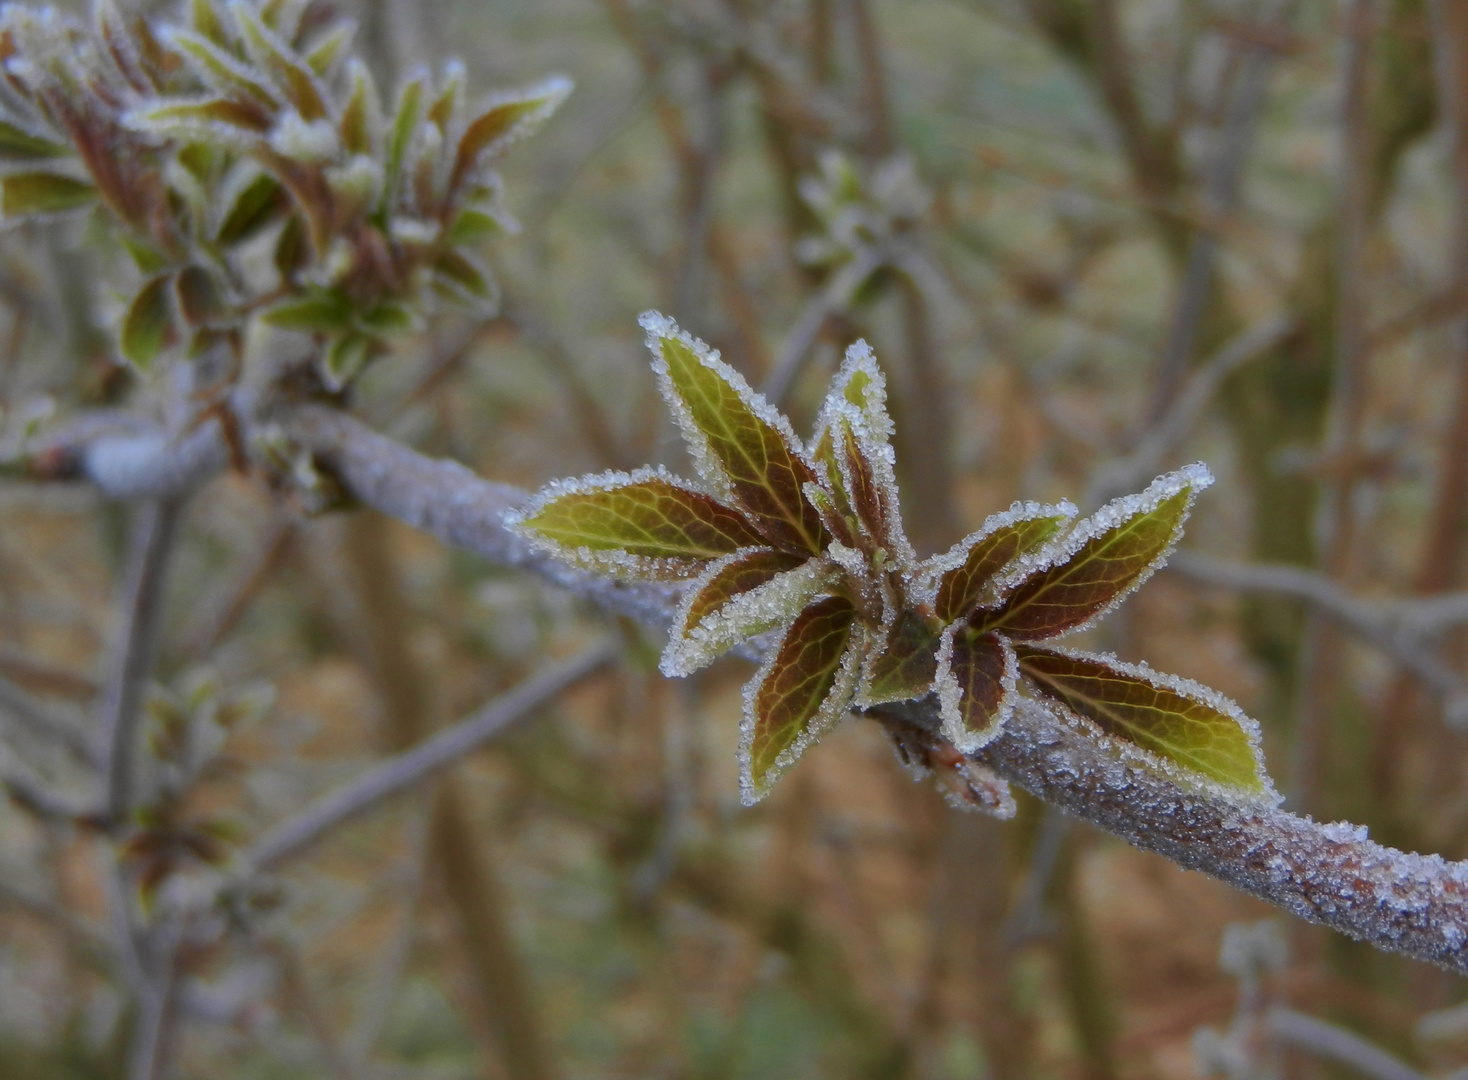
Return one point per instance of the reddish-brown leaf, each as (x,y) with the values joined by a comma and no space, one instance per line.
(1179,721)
(738,441)
(803,689)
(1004,537)
(976,687)
(741,573)
(1097,569)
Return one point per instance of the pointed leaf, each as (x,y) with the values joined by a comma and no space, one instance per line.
(803,689)
(742,572)
(148,324)
(255,204)
(475,224)
(504,122)
(18,144)
(345,359)
(204,19)
(977,676)
(746,615)
(739,443)
(1183,723)
(200,300)
(406,117)
(43,193)
(869,481)
(320,311)
(446,105)
(297,82)
(1085,574)
(964,571)
(906,667)
(226,121)
(462,279)
(220,69)
(361,126)
(646,523)
(859,384)
(324,53)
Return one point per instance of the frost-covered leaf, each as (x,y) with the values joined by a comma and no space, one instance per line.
(148,324)
(203,17)
(774,603)
(906,667)
(962,572)
(406,117)
(226,121)
(253,203)
(639,524)
(18,144)
(728,577)
(43,193)
(1086,573)
(506,120)
(800,691)
(977,678)
(388,318)
(740,444)
(474,224)
(292,248)
(325,52)
(321,311)
(859,384)
(1181,722)
(295,82)
(446,105)
(868,478)
(361,123)
(218,68)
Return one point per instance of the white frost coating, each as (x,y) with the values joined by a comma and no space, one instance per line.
(660,328)
(1344,832)
(883,461)
(616,563)
(187,44)
(950,695)
(877,648)
(859,358)
(929,573)
(775,603)
(833,708)
(313,143)
(1191,478)
(1187,688)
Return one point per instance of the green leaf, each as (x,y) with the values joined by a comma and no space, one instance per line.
(859,384)
(802,690)
(446,105)
(204,19)
(18,144)
(638,524)
(329,49)
(461,279)
(740,444)
(504,122)
(345,359)
(361,126)
(221,70)
(296,82)
(147,258)
(292,249)
(1090,571)
(976,682)
(906,666)
(967,568)
(473,225)
(1176,720)
(43,193)
(736,574)
(148,325)
(322,311)
(387,318)
(256,203)
(865,466)
(406,117)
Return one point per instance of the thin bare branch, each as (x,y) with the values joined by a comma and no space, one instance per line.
(835,298)
(48,723)
(415,765)
(132,660)
(1334,1043)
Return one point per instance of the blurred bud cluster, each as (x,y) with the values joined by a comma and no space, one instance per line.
(859,209)
(249,168)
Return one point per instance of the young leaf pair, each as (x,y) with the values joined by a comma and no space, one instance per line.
(804,542)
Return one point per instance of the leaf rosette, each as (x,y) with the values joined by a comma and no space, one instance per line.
(801,546)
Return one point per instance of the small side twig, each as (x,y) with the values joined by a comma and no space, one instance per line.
(1334,1043)
(835,298)
(46,722)
(415,765)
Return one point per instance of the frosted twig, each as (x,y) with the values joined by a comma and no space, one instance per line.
(833,299)
(1397,627)
(417,764)
(132,660)
(1136,468)
(1335,1043)
(45,722)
